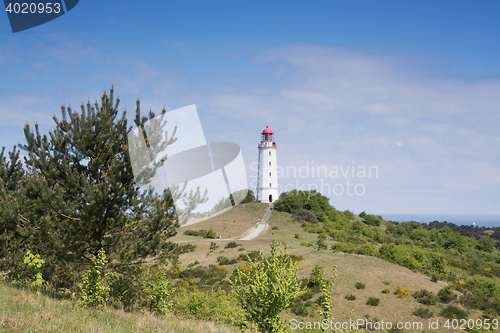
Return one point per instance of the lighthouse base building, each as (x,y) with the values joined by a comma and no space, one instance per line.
(267,179)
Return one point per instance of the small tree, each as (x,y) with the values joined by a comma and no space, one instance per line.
(267,288)
(325,306)
(322,241)
(34,263)
(94,290)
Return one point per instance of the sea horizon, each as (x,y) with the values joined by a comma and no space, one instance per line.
(480,220)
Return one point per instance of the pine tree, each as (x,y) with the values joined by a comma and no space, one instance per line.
(81,194)
(12,214)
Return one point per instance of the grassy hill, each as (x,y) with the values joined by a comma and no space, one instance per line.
(210,263)
(24,311)
(352,268)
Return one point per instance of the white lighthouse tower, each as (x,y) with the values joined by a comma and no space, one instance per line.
(267,180)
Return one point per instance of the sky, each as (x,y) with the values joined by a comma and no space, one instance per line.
(383,106)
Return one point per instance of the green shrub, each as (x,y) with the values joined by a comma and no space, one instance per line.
(211,234)
(213,246)
(254,255)
(373,301)
(275,228)
(155,294)
(33,263)
(305,215)
(386,283)
(232,245)
(307,295)
(298,308)
(350,297)
(297,236)
(360,285)
(322,241)
(362,214)
(447,294)
(425,297)
(226,261)
(201,233)
(213,305)
(386,291)
(374,220)
(423,313)
(488,286)
(453,312)
(94,291)
(316,278)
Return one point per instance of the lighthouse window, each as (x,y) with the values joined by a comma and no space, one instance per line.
(269,163)
(269,174)
(269,184)
(269,153)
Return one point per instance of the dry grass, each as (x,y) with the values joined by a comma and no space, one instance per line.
(351,268)
(24,311)
(232,224)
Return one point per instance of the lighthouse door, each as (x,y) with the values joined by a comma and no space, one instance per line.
(270,198)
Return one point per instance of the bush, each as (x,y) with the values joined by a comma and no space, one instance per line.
(425,297)
(305,215)
(453,312)
(231,245)
(386,291)
(297,236)
(423,313)
(386,283)
(254,255)
(211,234)
(298,308)
(226,261)
(213,246)
(95,291)
(447,294)
(307,295)
(401,292)
(275,228)
(362,214)
(296,257)
(201,233)
(360,285)
(374,220)
(350,297)
(373,301)
(316,278)
(213,305)
(155,295)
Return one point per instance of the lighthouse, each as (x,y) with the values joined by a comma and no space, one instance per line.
(267,179)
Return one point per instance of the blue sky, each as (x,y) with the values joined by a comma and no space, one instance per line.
(410,87)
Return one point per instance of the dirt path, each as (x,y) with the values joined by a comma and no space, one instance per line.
(261,226)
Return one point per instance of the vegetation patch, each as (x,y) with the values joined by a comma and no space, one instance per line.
(425,297)
(423,313)
(373,301)
(453,312)
(360,285)
(232,245)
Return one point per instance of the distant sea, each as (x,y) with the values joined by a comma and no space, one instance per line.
(481,220)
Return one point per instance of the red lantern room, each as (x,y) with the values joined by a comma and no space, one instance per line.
(267,134)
